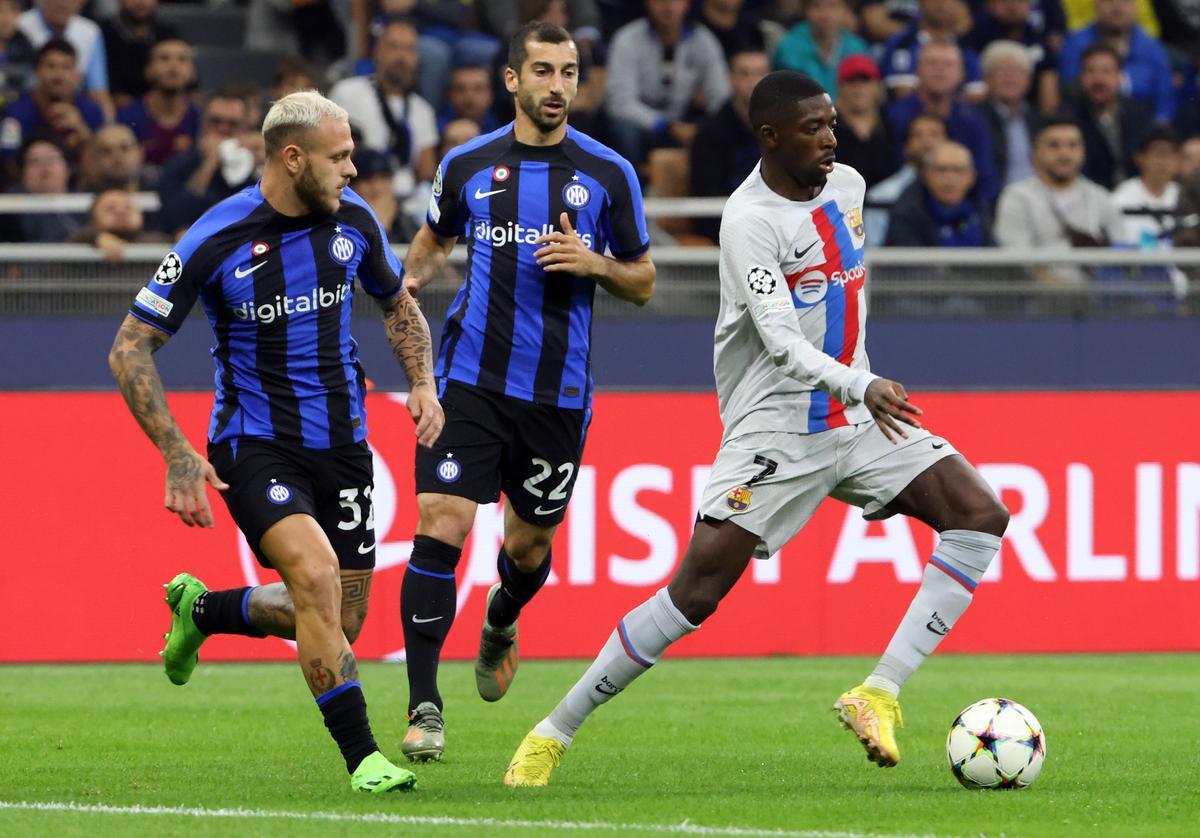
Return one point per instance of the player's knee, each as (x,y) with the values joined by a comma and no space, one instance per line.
(446,518)
(528,549)
(990,516)
(315,584)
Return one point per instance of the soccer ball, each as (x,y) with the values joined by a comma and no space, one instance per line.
(996,744)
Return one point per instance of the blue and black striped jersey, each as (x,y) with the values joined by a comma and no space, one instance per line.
(514,328)
(277,291)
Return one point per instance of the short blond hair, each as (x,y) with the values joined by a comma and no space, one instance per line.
(295,113)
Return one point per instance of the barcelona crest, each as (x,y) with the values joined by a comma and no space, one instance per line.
(855,222)
(738,499)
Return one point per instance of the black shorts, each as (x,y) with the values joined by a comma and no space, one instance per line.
(269,480)
(493,443)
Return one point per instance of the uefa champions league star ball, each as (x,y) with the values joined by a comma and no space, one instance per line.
(996,744)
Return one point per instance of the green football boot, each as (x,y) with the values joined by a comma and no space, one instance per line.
(376,775)
(184,639)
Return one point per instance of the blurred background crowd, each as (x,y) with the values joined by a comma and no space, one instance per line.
(976,123)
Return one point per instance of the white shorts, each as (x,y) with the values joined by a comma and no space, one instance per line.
(770,484)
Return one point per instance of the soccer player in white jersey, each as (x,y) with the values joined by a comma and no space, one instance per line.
(804,418)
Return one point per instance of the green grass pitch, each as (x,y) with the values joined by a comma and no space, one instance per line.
(744,747)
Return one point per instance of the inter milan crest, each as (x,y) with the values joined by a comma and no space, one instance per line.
(277,493)
(169,271)
(449,469)
(739,499)
(576,195)
(341,248)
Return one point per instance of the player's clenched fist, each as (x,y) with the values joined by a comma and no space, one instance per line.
(890,408)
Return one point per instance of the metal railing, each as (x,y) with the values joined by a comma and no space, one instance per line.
(44,280)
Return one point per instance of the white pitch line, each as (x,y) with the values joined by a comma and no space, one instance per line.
(422,820)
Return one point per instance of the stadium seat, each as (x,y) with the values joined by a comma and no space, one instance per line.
(218,66)
(203,25)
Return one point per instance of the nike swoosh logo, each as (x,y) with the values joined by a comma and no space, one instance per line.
(800,254)
(938,445)
(363,549)
(417,619)
(479,193)
(607,692)
(941,632)
(239,273)
(539,511)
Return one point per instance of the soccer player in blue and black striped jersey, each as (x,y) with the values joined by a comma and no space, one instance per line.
(539,204)
(274,267)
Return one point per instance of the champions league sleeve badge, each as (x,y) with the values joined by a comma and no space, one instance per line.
(760,280)
(170,270)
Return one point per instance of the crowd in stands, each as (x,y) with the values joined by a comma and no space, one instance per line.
(976,123)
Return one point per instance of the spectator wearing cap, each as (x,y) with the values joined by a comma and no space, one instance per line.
(939,210)
(862,132)
(1013,20)
(819,44)
(53,19)
(1008,73)
(1146,68)
(939,76)
(1112,124)
(924,132)
(938,20)
(129,36)
(54,108)
(725,150)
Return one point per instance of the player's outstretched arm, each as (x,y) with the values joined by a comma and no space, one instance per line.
(408,335)
(132,364)
(426,258)
(565,252)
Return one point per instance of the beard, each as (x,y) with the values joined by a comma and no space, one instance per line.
(532,110)
(310,193)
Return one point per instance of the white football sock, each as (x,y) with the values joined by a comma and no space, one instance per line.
(958,563)
(637,643)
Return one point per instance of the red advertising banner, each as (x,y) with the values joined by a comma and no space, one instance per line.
(1103,553)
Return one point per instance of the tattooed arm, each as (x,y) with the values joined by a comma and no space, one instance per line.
(133,366)
(426,258)
(408,335)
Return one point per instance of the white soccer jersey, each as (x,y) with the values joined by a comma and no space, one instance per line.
(789,350)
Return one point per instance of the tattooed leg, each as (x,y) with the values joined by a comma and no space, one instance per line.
(271,611)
